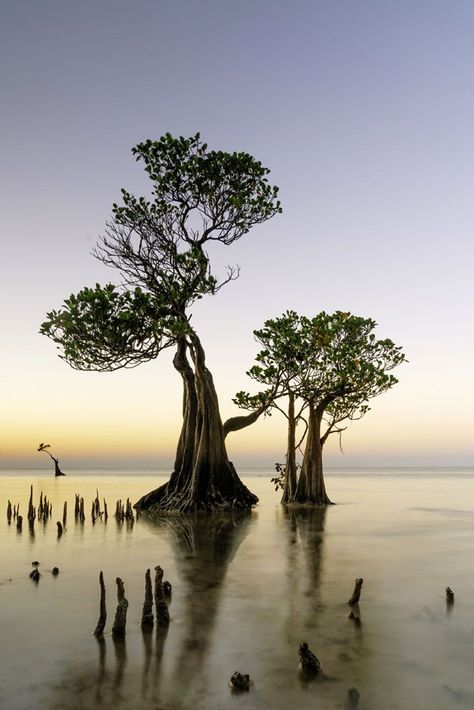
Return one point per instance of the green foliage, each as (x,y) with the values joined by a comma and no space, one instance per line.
(102,328)
(157,245)
(332,361)
(228,192)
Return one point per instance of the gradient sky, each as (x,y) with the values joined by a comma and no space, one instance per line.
(362,110)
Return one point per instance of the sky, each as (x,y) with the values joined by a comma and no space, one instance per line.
(363,111)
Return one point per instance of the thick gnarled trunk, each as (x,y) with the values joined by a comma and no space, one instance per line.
(311,488)
(203,477)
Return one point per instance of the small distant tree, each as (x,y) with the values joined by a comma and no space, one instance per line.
(45,448)
(328,367)
(158,246)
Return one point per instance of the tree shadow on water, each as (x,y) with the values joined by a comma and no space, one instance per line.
(204,546)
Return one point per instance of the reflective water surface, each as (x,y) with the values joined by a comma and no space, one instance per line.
(247,590)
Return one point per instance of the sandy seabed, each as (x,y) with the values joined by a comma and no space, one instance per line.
(247,590)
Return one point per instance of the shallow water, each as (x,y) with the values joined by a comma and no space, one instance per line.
(247,590)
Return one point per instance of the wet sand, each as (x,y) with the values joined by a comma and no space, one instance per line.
(247,590)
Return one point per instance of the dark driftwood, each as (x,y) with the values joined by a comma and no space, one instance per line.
(162,613)
(19,523)
(9,512)
(147,613)
(310,663)
(120,621)
(240,681)
(99,629)
(35,575)
(64,513)
(356,593)
(60,528)
(449,595)
(55,571)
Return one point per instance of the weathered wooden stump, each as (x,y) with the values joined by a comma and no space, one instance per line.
(310,664)
(35,575)
(64,513)
(9,512)
(19,523)
(120,621)
(147,613)
(240,681)
(99,629)
(60,528)
(162,613)
(449,595)
(55,571)
(356,593)
(167,589)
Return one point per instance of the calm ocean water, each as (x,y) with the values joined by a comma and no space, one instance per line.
(247,590)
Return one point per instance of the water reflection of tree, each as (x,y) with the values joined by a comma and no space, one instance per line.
(305,526)
(204,546)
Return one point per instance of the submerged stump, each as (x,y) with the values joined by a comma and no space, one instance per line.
(449,595)
(309,662)
(240,681)
(120,621)
(162,613)
(147,613)
(356,593)
(99,629)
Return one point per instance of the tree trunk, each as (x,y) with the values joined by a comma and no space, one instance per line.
(203,477)
(311,488)
(289,490)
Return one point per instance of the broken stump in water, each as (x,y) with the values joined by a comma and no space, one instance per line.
(310,664)
(60,528)
(167,589)
(162,613)
(120,621)
(19,523)
(356,593)
(35,575)
(147,613)
(240,681)
(9,512)
(55,571)
(449,595)
(99,629)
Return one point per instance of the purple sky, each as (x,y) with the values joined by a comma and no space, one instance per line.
(364,113)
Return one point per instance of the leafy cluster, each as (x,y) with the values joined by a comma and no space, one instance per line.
(103,328)
(332,361)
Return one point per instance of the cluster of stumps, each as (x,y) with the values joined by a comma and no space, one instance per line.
(162,595)
(123,512)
